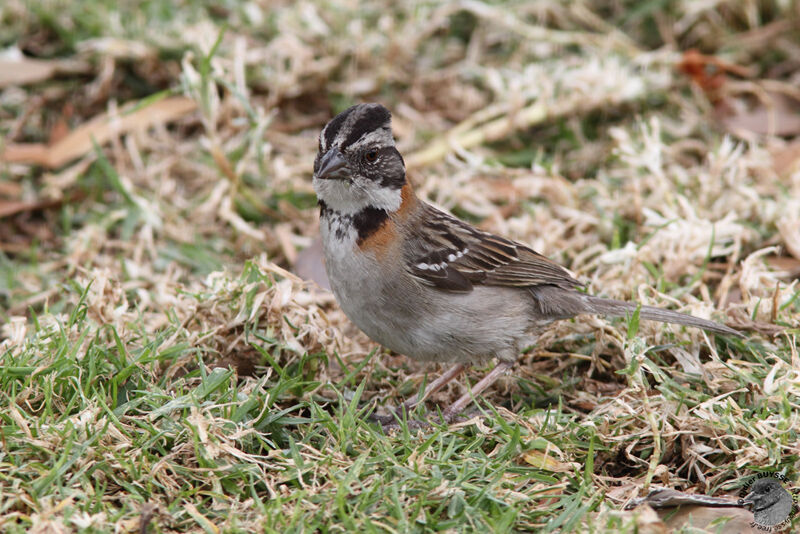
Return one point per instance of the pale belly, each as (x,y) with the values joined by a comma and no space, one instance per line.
(425,323)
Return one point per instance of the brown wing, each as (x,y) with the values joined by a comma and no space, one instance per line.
(451,255)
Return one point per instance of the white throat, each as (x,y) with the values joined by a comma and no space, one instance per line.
(349,198)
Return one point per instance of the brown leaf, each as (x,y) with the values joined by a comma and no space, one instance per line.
(787,159)
(546,462)
(775,114)
(25,153)
(786,264)
(702,70)
(12,207)
(60,128)
(10,189)
(789,230)
(709,72)
(25,71)
(100,130)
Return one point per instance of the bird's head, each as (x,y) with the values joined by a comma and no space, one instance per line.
(764,493)
(358,165)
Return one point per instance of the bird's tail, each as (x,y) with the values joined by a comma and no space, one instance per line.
(561,303)
(618,308)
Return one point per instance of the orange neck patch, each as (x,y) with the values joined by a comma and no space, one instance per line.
(380,241)
(408,200)
(384,232)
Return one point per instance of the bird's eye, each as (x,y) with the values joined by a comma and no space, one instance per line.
(371,156)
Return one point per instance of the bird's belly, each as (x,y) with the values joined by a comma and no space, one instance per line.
(368,300)
(424,323)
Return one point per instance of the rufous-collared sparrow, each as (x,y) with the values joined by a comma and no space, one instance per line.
(425,284)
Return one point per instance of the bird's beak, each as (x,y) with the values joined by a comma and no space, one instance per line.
(332,166)
(749,499)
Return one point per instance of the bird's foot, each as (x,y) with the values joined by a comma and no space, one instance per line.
(394,420)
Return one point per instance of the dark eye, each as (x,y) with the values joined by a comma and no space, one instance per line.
(371,156)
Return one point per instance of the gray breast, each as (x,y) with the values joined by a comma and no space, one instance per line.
(422,322)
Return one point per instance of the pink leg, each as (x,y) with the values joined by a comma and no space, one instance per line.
(389,420)
(435,386)
(454,409)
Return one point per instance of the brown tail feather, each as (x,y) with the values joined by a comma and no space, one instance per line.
(618,308)
(557,302)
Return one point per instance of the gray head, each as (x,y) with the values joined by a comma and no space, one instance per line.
(771,503)
(358,166)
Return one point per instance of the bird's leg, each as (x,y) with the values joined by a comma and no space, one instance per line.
(433,387)
(454,409)
(430,389)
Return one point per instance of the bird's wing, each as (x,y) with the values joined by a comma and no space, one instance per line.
(451,255)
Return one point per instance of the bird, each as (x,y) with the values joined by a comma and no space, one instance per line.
(771,503)
(425,284)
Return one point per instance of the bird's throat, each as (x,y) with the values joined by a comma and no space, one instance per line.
(365,222)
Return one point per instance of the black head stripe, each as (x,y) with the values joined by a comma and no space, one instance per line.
(371,117)
(333,127)
(353,123)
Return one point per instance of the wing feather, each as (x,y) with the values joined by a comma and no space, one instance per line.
(454,256)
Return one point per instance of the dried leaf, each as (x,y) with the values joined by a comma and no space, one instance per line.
(777,114)
(789,229)
(116,48)
(60,128)
(785,264)
(25,71)
(709,72)
(10,189)
(12,207)
(543,460)
(787,159)
(696,66)
(100,130)
(689,362)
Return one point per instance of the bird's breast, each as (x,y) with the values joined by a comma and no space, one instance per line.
(400,313)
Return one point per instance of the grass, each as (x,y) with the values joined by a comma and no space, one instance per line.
(105,429)
(164,371)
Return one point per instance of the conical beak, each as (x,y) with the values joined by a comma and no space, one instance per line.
(751,499)
(332,166)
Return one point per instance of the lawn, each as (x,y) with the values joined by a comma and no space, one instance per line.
(167,364)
